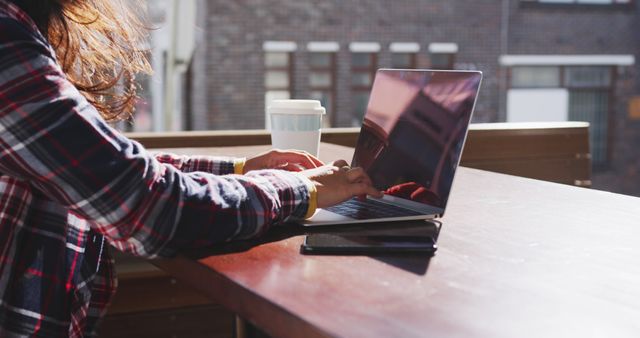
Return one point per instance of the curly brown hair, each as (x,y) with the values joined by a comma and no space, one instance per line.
(100,45)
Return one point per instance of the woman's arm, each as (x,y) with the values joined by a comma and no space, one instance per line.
(292,160)
(52,138)
(218,165)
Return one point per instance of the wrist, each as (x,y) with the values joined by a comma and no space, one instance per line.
(238,165)
(313,201)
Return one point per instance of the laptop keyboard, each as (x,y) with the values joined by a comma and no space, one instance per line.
(370,209)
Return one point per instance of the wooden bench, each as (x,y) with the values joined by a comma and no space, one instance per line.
(553,151)
(150,303)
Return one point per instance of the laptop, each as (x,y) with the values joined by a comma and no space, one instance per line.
(410,145)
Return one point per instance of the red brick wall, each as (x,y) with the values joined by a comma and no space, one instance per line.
(228,83)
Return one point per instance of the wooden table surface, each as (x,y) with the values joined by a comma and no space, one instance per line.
(516,258)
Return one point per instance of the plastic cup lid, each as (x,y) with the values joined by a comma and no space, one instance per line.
(310,107)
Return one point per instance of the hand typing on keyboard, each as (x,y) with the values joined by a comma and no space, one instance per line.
(338,182)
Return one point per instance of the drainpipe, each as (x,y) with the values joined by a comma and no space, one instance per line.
(504,50)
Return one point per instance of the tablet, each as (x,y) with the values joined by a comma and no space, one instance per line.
(367,244)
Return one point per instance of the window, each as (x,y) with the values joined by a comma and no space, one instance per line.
(583,2)
(578,93)
(278,72)
(277,76)
(442,60)
(589,100)
(587,76)
(144,108)
(404,55)
(364,62)
(403,60)
(163,103)
(443,55)
(363,69)
(322,82)
(535,77)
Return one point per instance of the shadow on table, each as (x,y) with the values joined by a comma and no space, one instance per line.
(417,263)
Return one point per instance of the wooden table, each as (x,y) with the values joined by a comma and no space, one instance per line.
(517,258)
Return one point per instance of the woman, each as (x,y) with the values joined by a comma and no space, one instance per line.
(69,182)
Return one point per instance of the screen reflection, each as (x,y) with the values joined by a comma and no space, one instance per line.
(413,132)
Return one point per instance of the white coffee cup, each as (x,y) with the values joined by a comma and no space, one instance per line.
(296,124)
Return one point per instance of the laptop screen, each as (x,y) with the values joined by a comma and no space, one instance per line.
(414,130)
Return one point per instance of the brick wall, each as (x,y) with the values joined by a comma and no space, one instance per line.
(230,57)
(592,30)
(228,67)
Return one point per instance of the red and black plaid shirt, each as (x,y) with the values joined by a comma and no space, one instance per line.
(70,185)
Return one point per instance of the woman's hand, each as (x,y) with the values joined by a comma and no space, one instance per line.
(338,182)
(291,160)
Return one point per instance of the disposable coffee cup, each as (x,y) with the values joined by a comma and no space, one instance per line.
(296,124)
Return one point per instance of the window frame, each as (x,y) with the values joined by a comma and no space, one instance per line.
(331,70)
(560,77)
(288,69)
(371,70)
(575,4)
(611,89)
(451,58)
(413,59)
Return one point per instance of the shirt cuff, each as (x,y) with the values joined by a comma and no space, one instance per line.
(313,201)
(238,165)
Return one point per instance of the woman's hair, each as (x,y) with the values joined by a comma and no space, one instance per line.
(100,45)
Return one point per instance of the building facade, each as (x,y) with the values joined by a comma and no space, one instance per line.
(543,60)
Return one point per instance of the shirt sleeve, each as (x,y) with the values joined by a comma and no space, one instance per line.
(218,165)
(51,137)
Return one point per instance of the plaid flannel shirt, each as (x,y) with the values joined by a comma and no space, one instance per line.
(68,182)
